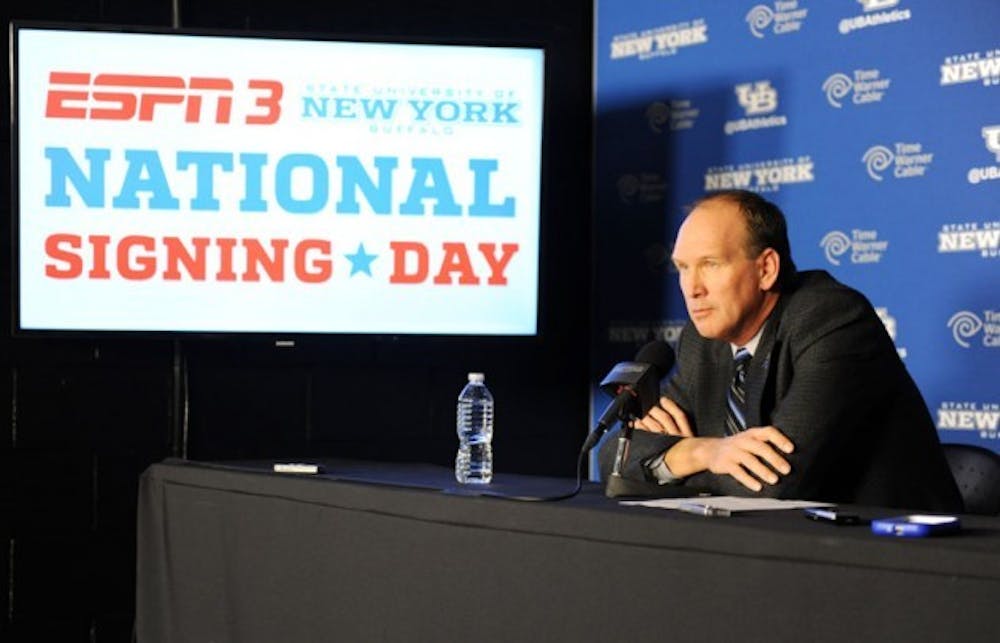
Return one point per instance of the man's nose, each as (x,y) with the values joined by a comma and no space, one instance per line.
(694,286)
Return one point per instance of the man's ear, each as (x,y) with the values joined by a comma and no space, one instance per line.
(768,265)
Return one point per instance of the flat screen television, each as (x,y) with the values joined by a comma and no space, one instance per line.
(220,183)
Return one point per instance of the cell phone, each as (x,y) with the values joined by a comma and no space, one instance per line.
(916,526)
(832,516)
(297,467)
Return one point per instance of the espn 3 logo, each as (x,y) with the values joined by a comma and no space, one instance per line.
(126,97)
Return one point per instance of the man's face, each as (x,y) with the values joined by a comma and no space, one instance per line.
(724,289)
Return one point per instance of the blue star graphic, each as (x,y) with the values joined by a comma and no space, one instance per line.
(361,261)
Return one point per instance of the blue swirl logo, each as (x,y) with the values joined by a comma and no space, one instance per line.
(963,325)
(657,114)
(759,18)
(836,87)
(876,160)
(628,188)
(834,244)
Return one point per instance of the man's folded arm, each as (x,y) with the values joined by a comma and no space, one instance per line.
(645,449)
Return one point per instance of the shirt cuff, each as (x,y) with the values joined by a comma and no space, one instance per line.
(657,468)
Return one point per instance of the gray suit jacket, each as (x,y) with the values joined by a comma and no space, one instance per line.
(827,375)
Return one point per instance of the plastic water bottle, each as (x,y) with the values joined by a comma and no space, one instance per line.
(474,421)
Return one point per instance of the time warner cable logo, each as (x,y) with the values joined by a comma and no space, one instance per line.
(865,87)
(678,114)
(640,189)
(786,17)
(966,325)
(864,245)
(908,160)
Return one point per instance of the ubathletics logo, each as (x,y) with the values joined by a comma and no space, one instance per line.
(982,238)
(760,176)
(659,41)
(863,86)
(877,13)
(756,99)
(983,417)
(991,137)
(968,328)
(678,114)
(907,160)
(973,67)
(864,246)
(786,17)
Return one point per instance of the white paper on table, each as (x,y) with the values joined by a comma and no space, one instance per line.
(732,503)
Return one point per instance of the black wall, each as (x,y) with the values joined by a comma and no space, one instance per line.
(83,417)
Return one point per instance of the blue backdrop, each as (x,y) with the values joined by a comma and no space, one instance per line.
(874,125)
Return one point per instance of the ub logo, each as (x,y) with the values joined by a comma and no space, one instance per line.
(991,133)
(758,97)
(877,5)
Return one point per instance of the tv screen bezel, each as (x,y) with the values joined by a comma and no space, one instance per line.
(279,338)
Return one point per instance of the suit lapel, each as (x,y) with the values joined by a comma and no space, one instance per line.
(712,385)
(760,366)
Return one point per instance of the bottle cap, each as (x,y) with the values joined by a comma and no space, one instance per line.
(477,377)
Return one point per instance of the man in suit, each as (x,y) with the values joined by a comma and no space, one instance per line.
(823,408)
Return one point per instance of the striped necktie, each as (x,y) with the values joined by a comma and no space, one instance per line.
(736,399)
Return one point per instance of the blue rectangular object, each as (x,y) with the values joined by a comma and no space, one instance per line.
(915,526)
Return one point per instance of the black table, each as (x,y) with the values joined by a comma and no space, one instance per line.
(377,552)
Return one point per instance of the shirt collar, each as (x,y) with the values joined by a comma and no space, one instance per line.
(750,346)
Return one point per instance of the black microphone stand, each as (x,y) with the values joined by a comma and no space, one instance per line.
(618,486)
(624,442)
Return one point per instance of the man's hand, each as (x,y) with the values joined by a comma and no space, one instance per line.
(736,455)
(758,451)
(666,418)
(748,451)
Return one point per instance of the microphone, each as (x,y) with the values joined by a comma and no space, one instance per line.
(635,386)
